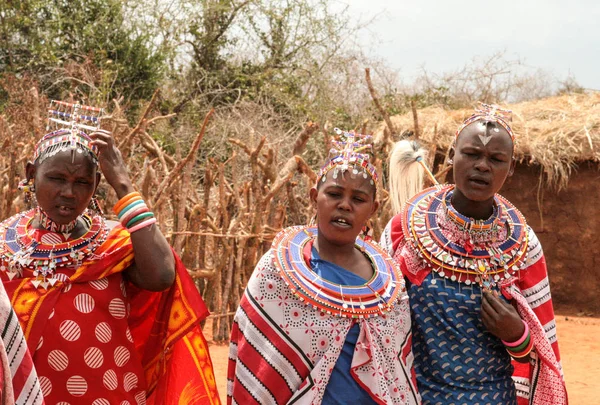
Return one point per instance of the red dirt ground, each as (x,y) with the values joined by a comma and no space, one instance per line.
(579,346)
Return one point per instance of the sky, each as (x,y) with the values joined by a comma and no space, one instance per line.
(560,37)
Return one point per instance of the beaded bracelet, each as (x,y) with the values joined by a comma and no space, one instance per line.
(133,213)
(139,218)
(523,353)
(521,340)
(521,347)
(131,206)
(123,201)
(142,225)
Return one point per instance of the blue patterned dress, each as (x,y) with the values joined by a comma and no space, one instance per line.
(457,361)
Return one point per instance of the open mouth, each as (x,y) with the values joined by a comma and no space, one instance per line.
(479,182)
(342,222)
(65,210)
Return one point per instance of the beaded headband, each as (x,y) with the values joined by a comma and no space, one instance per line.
(346,155)
(489,113)
(69,125)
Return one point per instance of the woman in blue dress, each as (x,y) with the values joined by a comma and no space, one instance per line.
(483,328)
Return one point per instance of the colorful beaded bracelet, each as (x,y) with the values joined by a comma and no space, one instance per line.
(523,353)
(125,200)
(134,213)
(521,347)
(142,225)
(130,207)
(139,218)
(521,340)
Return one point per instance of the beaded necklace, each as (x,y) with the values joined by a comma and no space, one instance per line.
(471,231)
(42,252)
(47,223)
(462,249)
(376,297)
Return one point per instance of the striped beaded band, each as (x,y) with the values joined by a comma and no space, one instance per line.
(346,155)
(63,140)
(68,128)
(489,113)
(374,298)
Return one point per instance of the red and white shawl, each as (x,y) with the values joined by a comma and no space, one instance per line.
(18,380)
(283,351)
(541,382)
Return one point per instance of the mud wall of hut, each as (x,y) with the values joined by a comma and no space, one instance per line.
(568,225)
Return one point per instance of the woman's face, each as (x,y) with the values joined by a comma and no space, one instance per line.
(64,184)
(344,205)
(482,160)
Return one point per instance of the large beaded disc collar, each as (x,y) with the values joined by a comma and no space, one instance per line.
(481,263)
(376,297)
(26,248)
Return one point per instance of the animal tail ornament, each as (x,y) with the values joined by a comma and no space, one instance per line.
(407,170)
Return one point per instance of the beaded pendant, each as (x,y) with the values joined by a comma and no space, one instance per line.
(482,252)
(376,297)
(26,248)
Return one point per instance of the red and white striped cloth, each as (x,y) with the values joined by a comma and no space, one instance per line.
(18,379)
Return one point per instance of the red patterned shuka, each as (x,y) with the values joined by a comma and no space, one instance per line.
(98,339)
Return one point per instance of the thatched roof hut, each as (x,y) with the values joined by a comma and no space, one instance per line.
(558,137)
(555,133)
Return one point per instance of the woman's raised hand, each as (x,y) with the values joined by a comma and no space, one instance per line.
(111,162)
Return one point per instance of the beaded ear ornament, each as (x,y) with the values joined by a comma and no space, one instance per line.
(347,155)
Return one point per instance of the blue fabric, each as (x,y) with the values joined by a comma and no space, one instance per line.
(342,389)
(457,362)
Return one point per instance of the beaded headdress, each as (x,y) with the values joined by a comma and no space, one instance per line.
(347,155)
(489,113)
(68,123)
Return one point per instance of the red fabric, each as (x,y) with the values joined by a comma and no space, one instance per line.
(164,327)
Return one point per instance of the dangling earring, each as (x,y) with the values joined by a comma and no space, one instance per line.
(366,231)
(94,206)
(28,189)
(313,221)
(450,161)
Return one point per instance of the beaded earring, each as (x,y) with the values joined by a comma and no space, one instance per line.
(94,206)
(28,189)
(366,231)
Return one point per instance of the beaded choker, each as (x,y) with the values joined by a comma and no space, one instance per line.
(42,252)
(376,297)
(47,223)
(497,250)
(471,231)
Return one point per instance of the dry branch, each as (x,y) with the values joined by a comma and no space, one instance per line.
(375,99)
(176,171)
(141,121)
(303,137)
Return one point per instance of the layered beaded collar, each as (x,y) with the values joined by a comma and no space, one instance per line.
(461,249)
(47,223)
(25,248)
(376,297)
(468,231)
